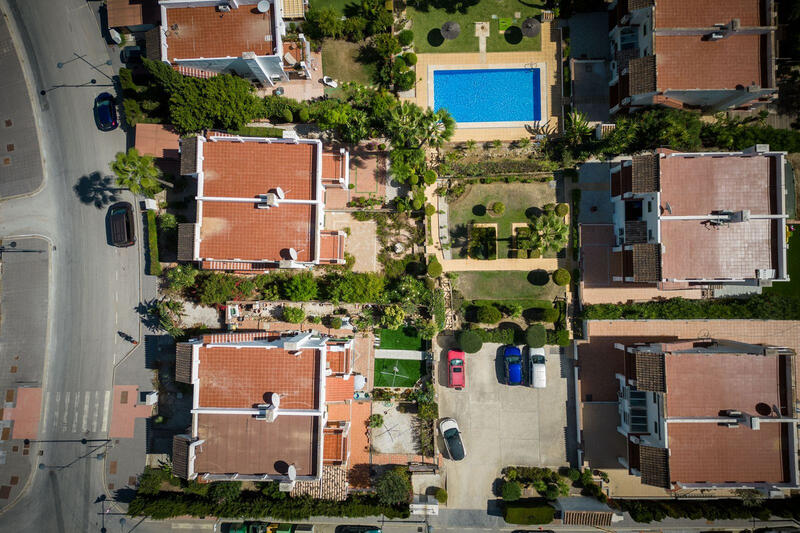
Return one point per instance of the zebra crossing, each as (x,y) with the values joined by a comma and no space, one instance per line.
(79,412)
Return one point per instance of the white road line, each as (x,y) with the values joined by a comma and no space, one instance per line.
(116,275)
(116,296)
(66,412)
(75,409)
(106,403)
(96,412)
(116,318)
(85,423)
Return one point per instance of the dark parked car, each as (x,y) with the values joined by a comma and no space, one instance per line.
(105,112)
(452,439)
(121,225)
(131,54)
(358,529)
(512,360)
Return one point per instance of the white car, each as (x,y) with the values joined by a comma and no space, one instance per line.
(452,439)
(537,369)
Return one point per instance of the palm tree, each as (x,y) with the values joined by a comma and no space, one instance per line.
(405,124)
(550,232)
(439,127)
(137,172)
(577,128)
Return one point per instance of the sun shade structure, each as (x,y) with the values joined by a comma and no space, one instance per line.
(531,27)
(450,30)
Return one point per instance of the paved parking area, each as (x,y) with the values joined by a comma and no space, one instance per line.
(501,425)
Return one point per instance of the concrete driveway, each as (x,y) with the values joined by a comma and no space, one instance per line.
(501,425)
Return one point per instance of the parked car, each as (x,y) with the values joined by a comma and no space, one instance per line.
(357,529)
(537,368)
(120,225)
(512,360)
(457,378)
(131,54)
(105,112)
(452,439)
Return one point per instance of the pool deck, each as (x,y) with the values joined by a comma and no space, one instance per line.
(546,59)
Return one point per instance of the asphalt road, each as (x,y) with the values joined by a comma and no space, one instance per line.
(94,289)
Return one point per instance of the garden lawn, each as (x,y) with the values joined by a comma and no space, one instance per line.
(790,288)
(408,372)
(338,5)
(506,285)
(427,21)
(405,338)
(340,62)
(517,197)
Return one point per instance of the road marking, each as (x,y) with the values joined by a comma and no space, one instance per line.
(116,275)
(75,409)
(116,318)
(96,412)
(85,424)
(191,526)
(116,296)
(105,412)
(66,412)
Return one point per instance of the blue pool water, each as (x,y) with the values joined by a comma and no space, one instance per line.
(489,95)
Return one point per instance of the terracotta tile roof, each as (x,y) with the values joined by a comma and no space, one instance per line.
(239,337)
(642,75)
(645,173)
(186,241)
(332,485)
(650,372)
(646,262)
(183,362)
(331,246)
(180,456)
(240,443)
(338,389)
(334,446)
(241,231)
(245,170)
(654,466)
(599,362)
(689,62)
(705,14)
(208,33)
(188,155)
(157,140)
(713,453)
(332,166)
(244,377)
(339,412)
(123,13)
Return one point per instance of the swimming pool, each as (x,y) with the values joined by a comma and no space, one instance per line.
(489,95)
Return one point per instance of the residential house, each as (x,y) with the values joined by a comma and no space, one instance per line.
(260,203)
(265,406)
(713,54)
(132,15)
(253,39)
(700,219)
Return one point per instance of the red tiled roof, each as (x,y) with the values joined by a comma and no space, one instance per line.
(334,446)
(338,389)
(705,14)
(332,166)
(331,246)
(243,377)
(207,33)
(158,140)
(123,13)
(688,62)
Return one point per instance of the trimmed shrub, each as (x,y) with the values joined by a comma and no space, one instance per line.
(302,115)
(574,474)
(406,37)
(511,491)
(441,495)
(498,208)
(489,314)
(336,322)
(528,513)
(394,487)
(562,277)
(550,315)
(295,315)
(287,115)
(429,176)
(375,421)
(153,265)
(434,268)
(411,58)
(559,337)
(429,209)
(469,341)
(562,210)
(536,336)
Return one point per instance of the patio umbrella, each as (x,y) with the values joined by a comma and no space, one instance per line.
(531,27)
(451,30)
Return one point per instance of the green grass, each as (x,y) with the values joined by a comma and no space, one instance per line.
(338,5)
(522,512)
(408,372)
(400,339)
(152,244)
(517,197)
(506,285)
(428,20)
(340,62)
(789,288)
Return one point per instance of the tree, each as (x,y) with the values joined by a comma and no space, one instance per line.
(430,177)
(411,58)
(335,322)
(216,288)
(394,487)
(301,288)
(393,317)
(489,314)
(137,173)
(181,277)
(549,232)
(511,491)
(323,22)
(406,37)
(469,341)
(562,210)
(434,267)
(561,277)
(552,492)
(577,128)
(222,102)
(498,208)
(295,315)
(225,491)
(441,495)
(439,127)
(535,336)
(375,421)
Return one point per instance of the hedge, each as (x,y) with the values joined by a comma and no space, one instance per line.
(470,341)
(154,266)
(762,306)
(535,336)
(503,166)
(255,131)
(528,513)
(559,337)
(500,336)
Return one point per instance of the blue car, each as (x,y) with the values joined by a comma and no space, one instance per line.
(512,359)
(105,112)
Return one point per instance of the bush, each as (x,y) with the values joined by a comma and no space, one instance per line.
(224,491)
(153,265)
(469,341)
(562,210)
(394,487)
(287,115)
(562,277)
(181,277)
(535,336)
(429,209)
(434,267)
(574,474)
(528,513)
(216,288)
(411,58)
(406,37)
(558,337)
(429,176)
(552,492)
(302,115)
(375,421)
(550,315)
(336,322)
(167,221)
(498,208)
(301,288)
(441,495)
(489,314)
(511,491)
(295,315)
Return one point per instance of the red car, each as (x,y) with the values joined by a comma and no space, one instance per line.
(455,364)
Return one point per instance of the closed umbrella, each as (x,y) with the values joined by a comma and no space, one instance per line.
(451,30)
(531,27)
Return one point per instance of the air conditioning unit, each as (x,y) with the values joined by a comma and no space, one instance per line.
(271,199)
(223,8)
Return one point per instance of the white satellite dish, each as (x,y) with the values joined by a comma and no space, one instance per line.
(292,473)
(293,254)
(359,382)
(275,400)
(279,193)
(263,6)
